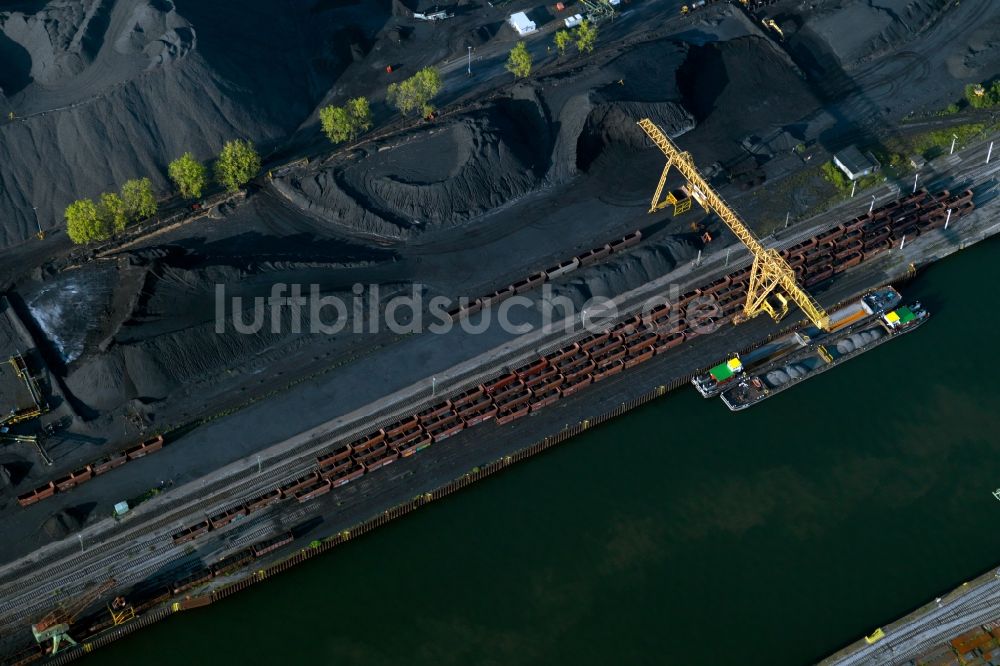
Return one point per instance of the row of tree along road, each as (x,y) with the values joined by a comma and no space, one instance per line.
(88,221)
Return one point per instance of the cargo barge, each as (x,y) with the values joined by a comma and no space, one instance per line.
(818,357)
(736,368)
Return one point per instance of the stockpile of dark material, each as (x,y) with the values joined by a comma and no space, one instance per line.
(164,336)
(739,88)
(629,271)
(438,175)
(146,326)
(859,29)
(106,91)
(452,171)
(640,84)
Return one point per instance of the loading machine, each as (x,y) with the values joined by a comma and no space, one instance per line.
(55,626)
(772,280)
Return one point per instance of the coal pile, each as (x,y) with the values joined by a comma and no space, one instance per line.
(86,79)
(741,87)
(855,30)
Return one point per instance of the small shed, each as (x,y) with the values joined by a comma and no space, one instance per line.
(521,23)
(855,164)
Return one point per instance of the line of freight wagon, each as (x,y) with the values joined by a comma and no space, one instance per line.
(87,472)
(535,280)
(630,342)
(231,562)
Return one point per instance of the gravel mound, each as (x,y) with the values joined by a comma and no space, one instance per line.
(61,524)
(860,339)
(783,375)
(777,377)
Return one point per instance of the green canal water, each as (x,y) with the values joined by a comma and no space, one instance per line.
(773,536)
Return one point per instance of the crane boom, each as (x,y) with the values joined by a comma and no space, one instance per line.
(770,274)
(55,626)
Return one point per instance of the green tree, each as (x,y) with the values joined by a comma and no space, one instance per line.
(563,39)
(519,61)
(237,164)
(189,175)
(361,115)
(84,223)
(586,36)
(336,123)
(138,198)
(416,92)
(343,123)
(111,211)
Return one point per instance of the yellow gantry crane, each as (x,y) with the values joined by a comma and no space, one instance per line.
(771,276)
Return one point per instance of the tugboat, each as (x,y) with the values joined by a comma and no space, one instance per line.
(713,382)
(905,318)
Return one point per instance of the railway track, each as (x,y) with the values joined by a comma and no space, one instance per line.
(968,611)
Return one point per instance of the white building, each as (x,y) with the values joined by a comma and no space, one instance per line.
(521,23)
(854,164)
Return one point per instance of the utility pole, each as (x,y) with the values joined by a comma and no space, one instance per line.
(727,255)
(989,152)
(872,207)
(854,187)
(948,219)
(697,262)
(915,176)
(258,464)
(788,216)
(902,242)
(954,138)
(80,537)
(434,382)
(469,70)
